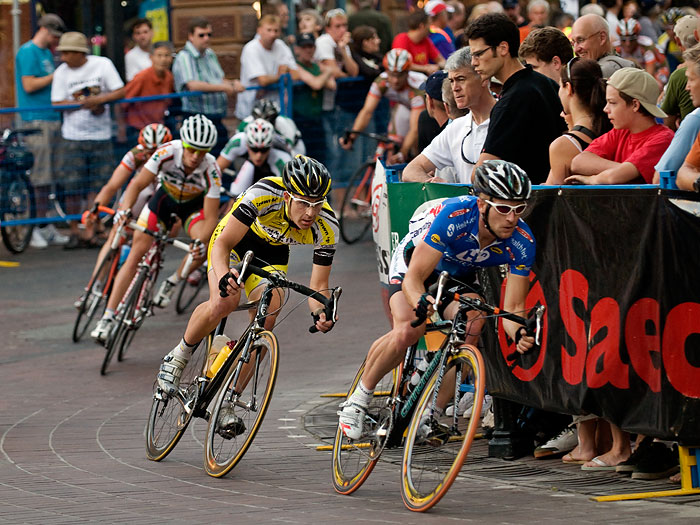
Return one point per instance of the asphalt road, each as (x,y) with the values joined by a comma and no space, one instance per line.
(72,443)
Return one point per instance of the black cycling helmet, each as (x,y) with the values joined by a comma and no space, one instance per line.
(307,177)
(266,110)
(503,180)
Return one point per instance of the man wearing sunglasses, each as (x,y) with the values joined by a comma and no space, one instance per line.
(271,215)
(189,183)
(456,235)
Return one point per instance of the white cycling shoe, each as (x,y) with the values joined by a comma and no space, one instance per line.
(170,372)
(164,295)
(104,327)
(352,418)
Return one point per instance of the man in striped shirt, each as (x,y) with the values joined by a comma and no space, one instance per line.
(196,68)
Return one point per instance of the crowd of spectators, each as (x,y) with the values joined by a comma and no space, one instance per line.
(586,97)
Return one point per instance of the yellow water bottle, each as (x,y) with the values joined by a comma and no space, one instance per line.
(221,348)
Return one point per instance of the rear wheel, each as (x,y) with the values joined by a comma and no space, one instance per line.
(353,460)
(169,416)
(245,396)
(188,292)
(93,300)
(356,209)
(17,202)
(436,446)
(141,311)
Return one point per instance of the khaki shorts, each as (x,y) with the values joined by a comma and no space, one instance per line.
(44,146)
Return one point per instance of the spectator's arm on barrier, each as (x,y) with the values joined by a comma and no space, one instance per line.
(419,169)
(314,82)
(427,69)
(484,157)
(517,288)
(30,83)
(622,173)
(688,176)
(587,163)
(94,101)
(228,87)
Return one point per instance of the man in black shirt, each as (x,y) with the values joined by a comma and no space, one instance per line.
(433,118)
(527,117)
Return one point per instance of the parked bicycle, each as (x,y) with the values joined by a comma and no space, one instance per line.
(137,302)
(17,199)
(233,391)
(356,209)
(403,410)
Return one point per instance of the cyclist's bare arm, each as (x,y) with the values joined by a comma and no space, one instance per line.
(138,183)
(320,276)
(223,162)
(423,262)
(226,241)
(517,288)
(211,216)
(362,119)
(117,180)
(419,169)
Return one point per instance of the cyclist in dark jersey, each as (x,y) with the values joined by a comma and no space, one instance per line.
(456,235)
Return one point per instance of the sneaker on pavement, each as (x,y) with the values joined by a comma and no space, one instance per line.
(485,405)
(101,332)
(352,418)
(164,295)
(565,442)
(627,467)
(53,236)
(229,424)
(169,374)
(489,420)
(658,462)
(464,403)
(37,240)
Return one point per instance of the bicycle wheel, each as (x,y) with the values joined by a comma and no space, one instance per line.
(356,209)
(17,202)
(94,296)
(224,448)
(123,315)
(353,460)
(170,415)
(139,314)
(188,292)
(436,449)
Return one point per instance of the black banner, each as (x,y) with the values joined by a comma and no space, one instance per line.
(619,273)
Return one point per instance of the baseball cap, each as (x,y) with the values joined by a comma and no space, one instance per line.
(685,27)
(304,39)
(434,7)
(73,41)
(510,4)
(638,84)
(53,23)
(433,85)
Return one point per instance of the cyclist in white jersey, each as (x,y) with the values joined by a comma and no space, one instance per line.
(189,184)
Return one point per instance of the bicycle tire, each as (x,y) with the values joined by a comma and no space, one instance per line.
(142,307)
(92,299)
(115,338)
(356,208)
(353,461)
(431,463)
(188,293)
(17,201)
(168,419)
(221,454)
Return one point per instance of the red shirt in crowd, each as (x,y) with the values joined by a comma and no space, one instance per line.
(146,83)
(423,52)
(642,149)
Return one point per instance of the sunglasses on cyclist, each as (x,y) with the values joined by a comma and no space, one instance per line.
(505,209)
(307,204)
(193,149)
(259,150)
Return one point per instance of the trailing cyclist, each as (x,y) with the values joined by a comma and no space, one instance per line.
(458,235)
(287,136)
(271,215)
(189,183)
(263,159)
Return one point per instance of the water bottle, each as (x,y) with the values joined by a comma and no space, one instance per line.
(124,254)
(221,348)
(421,367)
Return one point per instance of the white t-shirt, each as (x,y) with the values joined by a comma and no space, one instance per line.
(459,146)
(97,75)
(327,49)
(612,24)
(257,61)
(136,60)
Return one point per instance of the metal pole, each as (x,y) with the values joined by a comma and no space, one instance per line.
(16,12)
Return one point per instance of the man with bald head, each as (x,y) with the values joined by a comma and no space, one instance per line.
(590,36)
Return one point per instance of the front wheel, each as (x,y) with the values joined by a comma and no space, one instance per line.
(122,319)
(353,460)
(17,202)
(138,315)
(356,209)
(240,406)
(436,446)
(94,296)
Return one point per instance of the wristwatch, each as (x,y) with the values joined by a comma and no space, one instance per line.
(696,185)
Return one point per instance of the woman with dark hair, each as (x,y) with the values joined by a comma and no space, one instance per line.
(365,51)
(582,95)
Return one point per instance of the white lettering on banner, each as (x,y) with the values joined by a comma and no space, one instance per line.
(381,229)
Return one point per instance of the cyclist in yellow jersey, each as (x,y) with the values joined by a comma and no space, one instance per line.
(271,215)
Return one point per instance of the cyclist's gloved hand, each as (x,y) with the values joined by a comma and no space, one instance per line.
(424,307)
(226,282)
(198,249)
(320,322)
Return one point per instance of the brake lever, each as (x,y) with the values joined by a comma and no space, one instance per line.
(533,326)
(247,258)
(333,313)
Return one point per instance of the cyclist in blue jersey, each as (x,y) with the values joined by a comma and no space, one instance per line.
(457,235)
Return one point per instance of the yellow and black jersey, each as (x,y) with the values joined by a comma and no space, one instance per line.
(262,208)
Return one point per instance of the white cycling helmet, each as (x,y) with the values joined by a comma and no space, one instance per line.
(199,132)
(259,133)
